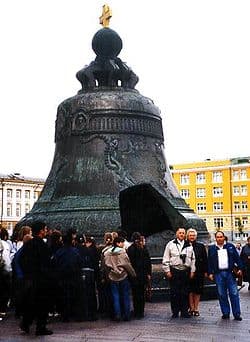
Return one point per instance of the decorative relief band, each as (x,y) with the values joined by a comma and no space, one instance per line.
(82,123)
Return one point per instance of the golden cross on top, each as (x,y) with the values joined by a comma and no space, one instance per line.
(106,15)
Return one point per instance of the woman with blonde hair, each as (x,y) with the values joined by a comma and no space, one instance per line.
(25,230)
(197,283)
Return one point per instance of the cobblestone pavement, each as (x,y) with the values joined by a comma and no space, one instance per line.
(157,326)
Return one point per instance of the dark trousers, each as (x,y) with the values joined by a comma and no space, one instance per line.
(5,290)
(138,295)
(35,304)
(105,299)
(89,292)
(71,298)
(179,289)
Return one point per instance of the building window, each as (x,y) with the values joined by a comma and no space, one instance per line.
(200,192)
(27,194)
(235,175)
(18,209)
(244,220)
(201,207)
(236,190)
(237,222)
(237,206)
(18,194)
(9,193)
(244,206)
(217,177)
(243,189)
(200,178)
(27,208)
(243,174)
(9,209)
(185,193)
(184,179)
(218,206)
(218,222)
(36,195)
(9,225)
(217,191)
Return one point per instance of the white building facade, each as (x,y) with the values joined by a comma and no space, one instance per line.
(17,197)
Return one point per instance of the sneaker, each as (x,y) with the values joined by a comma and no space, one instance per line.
(238,318)
(225,316)
(44,331)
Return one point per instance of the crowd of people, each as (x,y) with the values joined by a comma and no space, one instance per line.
(68,275)
(46,272)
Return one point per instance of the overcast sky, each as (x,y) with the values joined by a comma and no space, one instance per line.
(192,58)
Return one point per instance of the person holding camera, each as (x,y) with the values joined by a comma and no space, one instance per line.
(179,266)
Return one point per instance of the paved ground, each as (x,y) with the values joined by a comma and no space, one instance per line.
(157,326)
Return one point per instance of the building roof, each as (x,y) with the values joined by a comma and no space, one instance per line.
(211,163)
(19,177)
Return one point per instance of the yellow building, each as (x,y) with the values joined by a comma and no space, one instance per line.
(219,192)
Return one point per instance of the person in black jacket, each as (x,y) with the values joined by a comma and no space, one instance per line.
(18,279)
(140,260)
(245,257)
(197,283)
(36,268)
(90,271)
(67,266)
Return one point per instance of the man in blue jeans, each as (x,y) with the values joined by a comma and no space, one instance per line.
(222,258)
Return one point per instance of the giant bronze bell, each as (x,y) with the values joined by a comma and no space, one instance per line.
(109,168)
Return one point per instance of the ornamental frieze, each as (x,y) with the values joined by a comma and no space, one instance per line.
(83,123)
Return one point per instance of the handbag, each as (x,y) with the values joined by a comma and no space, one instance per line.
(239,278)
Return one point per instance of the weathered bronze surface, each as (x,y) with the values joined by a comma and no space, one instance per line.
(109,168)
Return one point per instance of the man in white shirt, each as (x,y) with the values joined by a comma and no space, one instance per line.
(178,263)
(222,258)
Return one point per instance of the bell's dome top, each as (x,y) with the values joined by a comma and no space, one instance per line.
(107,43)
